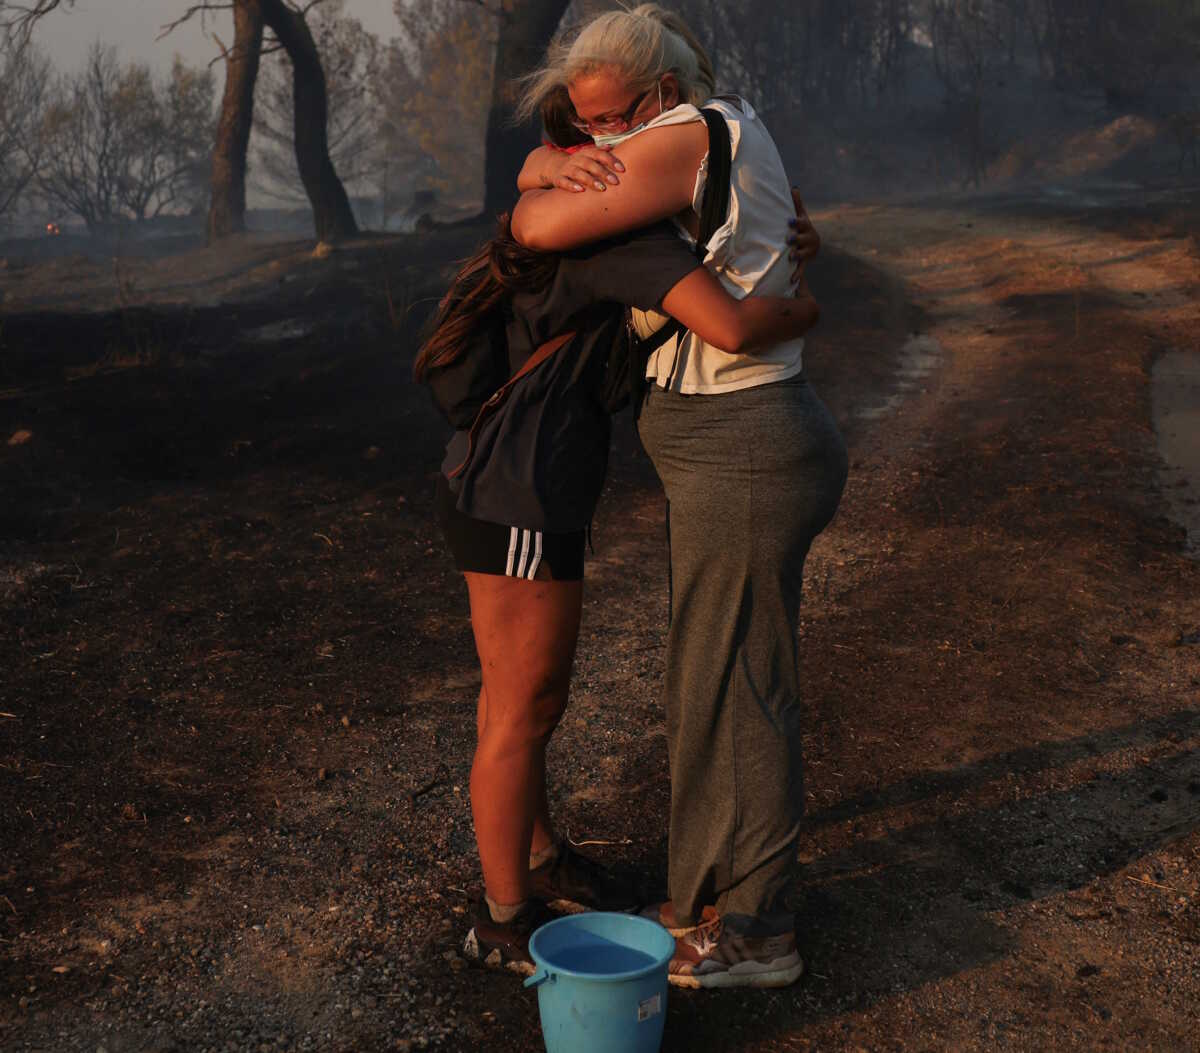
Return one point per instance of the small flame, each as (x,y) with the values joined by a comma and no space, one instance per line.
(52,230)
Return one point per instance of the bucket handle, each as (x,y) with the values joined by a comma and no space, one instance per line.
(539,978)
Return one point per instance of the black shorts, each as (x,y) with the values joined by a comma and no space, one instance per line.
(480,547)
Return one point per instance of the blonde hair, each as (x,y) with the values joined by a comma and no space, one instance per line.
(642,44)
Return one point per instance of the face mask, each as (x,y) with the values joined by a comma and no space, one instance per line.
(611,139)
(615,138)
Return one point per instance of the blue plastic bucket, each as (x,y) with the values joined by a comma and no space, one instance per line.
(602,983)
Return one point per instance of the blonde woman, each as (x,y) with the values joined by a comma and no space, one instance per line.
(753,468)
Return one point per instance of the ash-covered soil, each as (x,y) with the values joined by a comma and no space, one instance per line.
(237,679)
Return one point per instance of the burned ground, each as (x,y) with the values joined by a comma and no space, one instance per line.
(238,678)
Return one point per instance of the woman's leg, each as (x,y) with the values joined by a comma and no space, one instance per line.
(544,837)
(752,477)
(525,633)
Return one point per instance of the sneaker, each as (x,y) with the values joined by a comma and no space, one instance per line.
(505,945)
(572,882)
(664,914)
(715,956)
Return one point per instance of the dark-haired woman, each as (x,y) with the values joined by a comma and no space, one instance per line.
(515,520)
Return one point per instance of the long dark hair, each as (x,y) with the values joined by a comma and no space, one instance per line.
(558,116)
(499,269)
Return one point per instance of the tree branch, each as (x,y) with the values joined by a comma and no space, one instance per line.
(200,9)
(21,18)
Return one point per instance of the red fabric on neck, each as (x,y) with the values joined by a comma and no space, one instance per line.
(564,149)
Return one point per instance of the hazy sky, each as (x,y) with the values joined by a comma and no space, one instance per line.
(132,25)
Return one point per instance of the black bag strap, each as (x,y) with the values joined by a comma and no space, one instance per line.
(715,205)
(545,351)
(714,209)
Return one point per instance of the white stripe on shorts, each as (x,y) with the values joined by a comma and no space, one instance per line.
(537,555)
(512,550)
(524,554)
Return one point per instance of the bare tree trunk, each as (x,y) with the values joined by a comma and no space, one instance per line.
(227,208)
(332,215)
(526,27)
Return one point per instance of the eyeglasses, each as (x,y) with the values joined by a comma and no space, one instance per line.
(617,124)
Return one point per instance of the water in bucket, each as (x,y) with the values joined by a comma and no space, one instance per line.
(602,983)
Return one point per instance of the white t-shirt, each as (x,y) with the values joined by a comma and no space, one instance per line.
(748,254)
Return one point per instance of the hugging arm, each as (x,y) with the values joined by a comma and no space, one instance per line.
(556,220)
(701,303)
(666,161)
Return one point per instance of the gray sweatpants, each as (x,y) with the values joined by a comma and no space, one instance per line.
(751,478)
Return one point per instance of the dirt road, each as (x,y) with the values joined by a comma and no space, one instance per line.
(238,682)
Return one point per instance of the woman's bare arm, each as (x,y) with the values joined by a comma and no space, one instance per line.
(664,160)
(701,303)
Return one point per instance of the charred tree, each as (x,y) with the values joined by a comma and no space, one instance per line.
(526,28)
(332,215)
(227,208)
